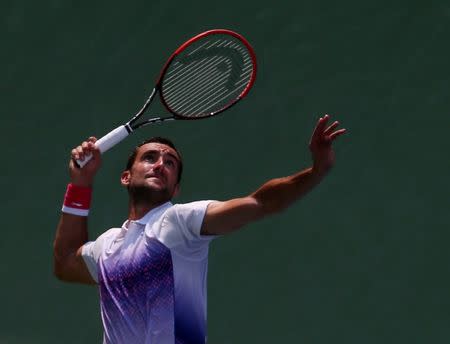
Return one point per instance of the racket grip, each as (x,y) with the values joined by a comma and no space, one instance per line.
(106,142)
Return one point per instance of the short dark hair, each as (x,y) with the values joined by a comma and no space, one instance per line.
(157,139)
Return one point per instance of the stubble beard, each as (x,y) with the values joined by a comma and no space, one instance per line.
(147,195)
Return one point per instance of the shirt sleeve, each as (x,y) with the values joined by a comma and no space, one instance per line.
(180,229)
(92,251)
(190,217)
(90,257)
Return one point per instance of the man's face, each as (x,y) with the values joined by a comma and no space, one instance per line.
(155,169)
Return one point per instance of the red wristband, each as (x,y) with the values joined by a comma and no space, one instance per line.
(77,200)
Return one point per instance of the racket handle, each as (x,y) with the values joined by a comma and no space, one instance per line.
(106,142)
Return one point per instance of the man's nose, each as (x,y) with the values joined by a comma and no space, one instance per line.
(158,163)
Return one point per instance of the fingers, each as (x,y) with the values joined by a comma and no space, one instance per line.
(337,133)
(333,126)
(331,134)
(322,133)
(318,131)
(86,148)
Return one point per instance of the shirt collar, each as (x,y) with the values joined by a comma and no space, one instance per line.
(155,212)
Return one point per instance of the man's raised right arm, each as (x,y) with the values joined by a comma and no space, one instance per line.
(72,231)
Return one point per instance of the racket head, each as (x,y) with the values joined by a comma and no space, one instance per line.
(207,74)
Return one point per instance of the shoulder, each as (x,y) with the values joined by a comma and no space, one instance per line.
(95,247)
(109,234)
(186,212)
(179,229)
(180,222)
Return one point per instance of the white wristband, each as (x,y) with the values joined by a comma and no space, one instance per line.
(75,211)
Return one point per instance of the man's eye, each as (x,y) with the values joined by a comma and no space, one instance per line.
(150,158)
(170,163)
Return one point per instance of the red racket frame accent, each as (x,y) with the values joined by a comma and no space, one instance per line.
(196,38)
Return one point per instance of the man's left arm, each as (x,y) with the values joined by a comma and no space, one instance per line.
(276,194)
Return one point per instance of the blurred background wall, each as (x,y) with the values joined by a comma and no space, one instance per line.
(362,259)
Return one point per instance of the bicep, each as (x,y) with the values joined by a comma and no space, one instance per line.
(228,216)
(71,236)
(83,274)
(74,269)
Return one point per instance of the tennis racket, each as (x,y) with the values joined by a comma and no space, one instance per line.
(205,76)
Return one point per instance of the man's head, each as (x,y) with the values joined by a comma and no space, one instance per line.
(163,141)
(153,169)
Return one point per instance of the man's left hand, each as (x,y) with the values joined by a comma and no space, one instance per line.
(321,145)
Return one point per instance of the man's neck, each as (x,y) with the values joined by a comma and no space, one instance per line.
(137,211)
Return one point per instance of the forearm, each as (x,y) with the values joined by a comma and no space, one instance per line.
(279,193)
(71,234)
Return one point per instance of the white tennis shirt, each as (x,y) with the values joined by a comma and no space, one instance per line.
(152,277)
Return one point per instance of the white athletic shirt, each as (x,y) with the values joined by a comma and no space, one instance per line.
(152,277)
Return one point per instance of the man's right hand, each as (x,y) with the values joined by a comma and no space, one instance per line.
(85,176)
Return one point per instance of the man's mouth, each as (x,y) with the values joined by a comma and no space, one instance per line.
(155,177)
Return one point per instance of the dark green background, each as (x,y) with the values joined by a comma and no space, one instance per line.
(362,259)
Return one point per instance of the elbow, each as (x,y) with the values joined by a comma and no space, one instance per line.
(61,262)
(59,276)
(58,270)
(60,266)
(266,206)
(57,264)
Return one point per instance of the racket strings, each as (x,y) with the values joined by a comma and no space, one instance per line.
(198,69)
(201,86)
(206,90)
(208,76)
(217,43)
(197,97)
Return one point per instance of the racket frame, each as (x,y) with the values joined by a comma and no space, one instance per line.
(188,43)
(118,134)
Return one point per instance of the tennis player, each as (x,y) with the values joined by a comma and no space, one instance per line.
(151,271)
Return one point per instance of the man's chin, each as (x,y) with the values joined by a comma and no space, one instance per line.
(149,192)
(155,184)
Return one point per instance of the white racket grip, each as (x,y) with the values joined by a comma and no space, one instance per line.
(106,142)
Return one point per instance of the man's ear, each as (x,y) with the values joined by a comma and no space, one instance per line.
(125,178)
